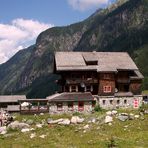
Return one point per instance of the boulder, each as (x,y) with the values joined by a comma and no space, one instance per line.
(109,113)
(108,119)
(110,124)
(64,122)
(86,127)
(114,112)
(100,118)
(49,120)
(80,120)
(76,119)
(123,117)
(3,130)
(124,114)
(32,135)
(18,125)
(131,116)
(137,116)
(3,133)
(42,136)
(25,130)
(141,113)
(84,131)
(146,112)
(142,118)
(30,121)
(54,121)
(39,125)
(92,120)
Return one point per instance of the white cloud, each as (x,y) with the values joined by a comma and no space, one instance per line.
(86,4)
(17,35)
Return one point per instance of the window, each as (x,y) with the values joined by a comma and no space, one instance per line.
(59,106)
(73,88)
(111,101)
(89,88)
(104,102)
(81,106)
(106,76)
(70,106)
(125,101)
(107,89)
(118,101)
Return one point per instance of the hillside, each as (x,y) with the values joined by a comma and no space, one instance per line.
(121,27)
(92,133)
(12,69)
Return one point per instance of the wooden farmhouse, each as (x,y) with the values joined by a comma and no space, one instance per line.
(110,78)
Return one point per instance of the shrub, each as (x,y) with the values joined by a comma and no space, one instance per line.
(112,143)
(97,108)
(143,107)
(76,114)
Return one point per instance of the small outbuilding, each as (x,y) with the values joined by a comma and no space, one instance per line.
(71,102)
(11,102)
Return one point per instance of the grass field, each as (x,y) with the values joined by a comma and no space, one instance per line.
(128,134)
(145,92)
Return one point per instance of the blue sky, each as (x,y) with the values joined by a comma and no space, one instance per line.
(22,20)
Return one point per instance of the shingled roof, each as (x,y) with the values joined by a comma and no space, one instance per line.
(107,61)
(75,96)
(12,98)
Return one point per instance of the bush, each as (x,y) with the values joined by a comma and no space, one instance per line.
(143,107)
(112,143)
(97,108)
(76,114)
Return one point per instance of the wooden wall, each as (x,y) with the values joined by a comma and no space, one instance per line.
(135,87)
(114,80)
(105,80)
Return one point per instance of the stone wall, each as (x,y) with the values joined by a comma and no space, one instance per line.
(53,108)
(111,102)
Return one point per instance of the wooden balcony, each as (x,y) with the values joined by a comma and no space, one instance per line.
(123,80)
(78,81)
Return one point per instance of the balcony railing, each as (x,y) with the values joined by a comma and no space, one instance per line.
(125,80)
(76,81)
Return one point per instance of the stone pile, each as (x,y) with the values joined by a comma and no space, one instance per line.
(5,118)
(66,121)
(76,119)
(121,116)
